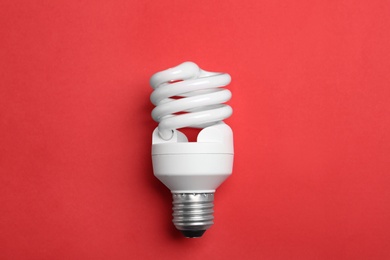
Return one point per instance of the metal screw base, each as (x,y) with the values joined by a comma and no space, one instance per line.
(193,213)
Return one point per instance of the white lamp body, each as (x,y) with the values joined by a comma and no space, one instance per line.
(187,96)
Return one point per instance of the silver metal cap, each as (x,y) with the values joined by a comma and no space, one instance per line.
(193,213)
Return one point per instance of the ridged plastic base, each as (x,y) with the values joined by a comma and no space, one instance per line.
(193,213)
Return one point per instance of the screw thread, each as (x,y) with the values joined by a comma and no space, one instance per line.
(193,212)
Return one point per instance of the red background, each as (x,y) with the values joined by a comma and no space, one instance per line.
(311,122)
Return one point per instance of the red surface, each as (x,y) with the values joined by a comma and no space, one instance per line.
(311,103)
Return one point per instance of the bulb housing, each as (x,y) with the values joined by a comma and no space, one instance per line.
(192,170)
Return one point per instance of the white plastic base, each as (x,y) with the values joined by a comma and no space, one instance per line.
(198,173)
(194,167)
